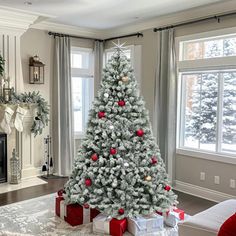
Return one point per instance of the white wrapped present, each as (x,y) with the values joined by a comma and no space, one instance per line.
(146,225)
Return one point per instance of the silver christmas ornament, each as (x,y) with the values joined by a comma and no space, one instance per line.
(111,127)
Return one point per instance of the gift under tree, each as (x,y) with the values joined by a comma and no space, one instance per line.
(118,169)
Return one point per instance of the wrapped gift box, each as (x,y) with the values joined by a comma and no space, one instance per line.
(179,213)
(145,226)
(60,207)
(174,216)
(104,225)
(78,215)
(74,214)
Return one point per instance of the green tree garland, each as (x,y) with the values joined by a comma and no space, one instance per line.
(2,63)
(42,118)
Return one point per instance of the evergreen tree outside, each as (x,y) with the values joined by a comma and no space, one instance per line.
(118,169)
(201,114)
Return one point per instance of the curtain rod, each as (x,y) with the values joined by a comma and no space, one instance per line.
(100,40)
(125,36)
(216,17)
(71,36)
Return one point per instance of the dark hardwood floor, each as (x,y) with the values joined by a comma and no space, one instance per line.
(190,204)
(27,193)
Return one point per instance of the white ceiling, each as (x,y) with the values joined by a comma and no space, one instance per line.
(104,14)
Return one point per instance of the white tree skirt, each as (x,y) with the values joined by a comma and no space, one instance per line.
(37,217)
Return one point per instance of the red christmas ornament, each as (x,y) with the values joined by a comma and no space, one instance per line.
(101,114)
(86,206)
(94,157)
(121,211)
(167,188)
(154,160)
(121,103)
(60,192)
(140,132)
(88,182)
(113,151)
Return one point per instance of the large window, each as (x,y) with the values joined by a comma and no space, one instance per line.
(207,102)
(82,87)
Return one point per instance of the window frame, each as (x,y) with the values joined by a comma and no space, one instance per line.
(219,64)
(84,73)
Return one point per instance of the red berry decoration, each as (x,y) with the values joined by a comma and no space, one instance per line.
(88,182)
(101,114)
(121,103)
(121,211)
(154,160)
(86,206)
(140,132)
(60,192)
(113,151)
(94,157)
(167,188)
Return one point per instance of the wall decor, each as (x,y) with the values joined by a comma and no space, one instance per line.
(36,70)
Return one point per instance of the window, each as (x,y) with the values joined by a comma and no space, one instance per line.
(82,87)
(207,101)
(133,52)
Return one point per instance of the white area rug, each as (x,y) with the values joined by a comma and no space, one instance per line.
(25,183)
(37,217)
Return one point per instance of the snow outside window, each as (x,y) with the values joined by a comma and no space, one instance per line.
(134,53)
(82,87)
(207,94)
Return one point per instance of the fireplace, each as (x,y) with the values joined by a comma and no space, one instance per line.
(3,158)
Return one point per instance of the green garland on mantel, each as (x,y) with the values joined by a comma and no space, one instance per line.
(42,118)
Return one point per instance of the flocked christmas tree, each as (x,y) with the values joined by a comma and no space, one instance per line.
(118,169)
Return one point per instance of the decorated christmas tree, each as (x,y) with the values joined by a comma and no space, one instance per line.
(118,169)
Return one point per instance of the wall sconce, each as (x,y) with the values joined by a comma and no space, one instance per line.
(36,70)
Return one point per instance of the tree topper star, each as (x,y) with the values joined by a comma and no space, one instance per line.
(119,47)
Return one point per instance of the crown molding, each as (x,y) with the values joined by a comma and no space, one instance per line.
(69,29)
(14,21)
(19,21)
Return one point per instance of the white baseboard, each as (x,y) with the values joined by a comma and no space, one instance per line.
(201,192)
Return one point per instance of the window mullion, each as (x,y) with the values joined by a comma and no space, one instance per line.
(219,112)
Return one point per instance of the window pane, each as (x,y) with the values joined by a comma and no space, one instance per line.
(77,103)
(82,89)
(80,59)
(200,110)
(229,112)
(193,50)
(213,48)
(209,48)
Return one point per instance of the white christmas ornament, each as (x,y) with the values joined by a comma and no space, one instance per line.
(106,95)
(111,127)
(126,164)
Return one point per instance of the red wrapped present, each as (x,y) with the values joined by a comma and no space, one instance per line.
(60,207)
(78,215)
(179,213)
(103,224)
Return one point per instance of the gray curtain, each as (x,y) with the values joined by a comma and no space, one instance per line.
(62,121)
(165,100)
(98,62)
